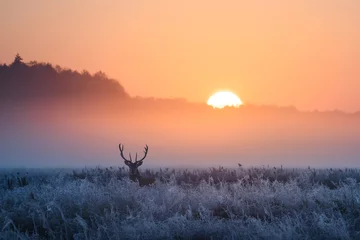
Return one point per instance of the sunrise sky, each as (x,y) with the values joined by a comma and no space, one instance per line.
(304,53)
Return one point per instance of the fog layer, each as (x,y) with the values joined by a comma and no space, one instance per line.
(54,117)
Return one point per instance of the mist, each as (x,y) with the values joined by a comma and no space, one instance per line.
(186,135)
(55,117)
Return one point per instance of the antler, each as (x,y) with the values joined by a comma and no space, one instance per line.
(121,148)
(146,148)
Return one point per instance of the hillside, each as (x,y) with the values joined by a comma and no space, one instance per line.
(25,82)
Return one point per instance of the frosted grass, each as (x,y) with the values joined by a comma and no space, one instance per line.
(254,203)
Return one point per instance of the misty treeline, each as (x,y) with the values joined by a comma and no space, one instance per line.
(216,203)
(40,112)
(42,82)
(21,81)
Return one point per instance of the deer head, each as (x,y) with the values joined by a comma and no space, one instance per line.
(133,166)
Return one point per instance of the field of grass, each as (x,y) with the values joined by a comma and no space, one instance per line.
(215,203)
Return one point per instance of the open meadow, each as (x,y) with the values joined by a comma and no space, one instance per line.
(214,203)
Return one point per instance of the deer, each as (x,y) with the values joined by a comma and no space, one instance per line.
(134,173)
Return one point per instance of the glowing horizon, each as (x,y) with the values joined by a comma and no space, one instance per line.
(300,53)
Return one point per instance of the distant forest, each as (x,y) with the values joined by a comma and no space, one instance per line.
(34,81)
(21,81)
(38,82)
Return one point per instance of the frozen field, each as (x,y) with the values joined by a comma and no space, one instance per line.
(214,203)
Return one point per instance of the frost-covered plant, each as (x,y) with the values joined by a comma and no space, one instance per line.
(218,203)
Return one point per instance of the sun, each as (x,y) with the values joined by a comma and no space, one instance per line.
(223,99)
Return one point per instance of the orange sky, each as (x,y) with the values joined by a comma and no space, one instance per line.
(302,52)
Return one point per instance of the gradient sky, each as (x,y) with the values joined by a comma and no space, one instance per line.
(304,53)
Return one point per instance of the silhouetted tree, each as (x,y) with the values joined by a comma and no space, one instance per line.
(100,75)
(32,63)
(18,59)
(58,68)
(41,81)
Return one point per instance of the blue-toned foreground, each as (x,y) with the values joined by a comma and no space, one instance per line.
(253,203)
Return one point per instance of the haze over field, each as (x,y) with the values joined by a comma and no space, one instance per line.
(54,117)
(294,65)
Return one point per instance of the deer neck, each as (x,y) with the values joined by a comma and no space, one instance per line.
(133,173)
(135,177)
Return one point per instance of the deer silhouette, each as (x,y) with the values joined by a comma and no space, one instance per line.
(134,173)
